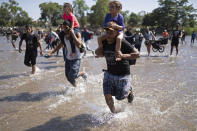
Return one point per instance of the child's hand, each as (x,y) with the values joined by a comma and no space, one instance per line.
(99,52)
(111,24)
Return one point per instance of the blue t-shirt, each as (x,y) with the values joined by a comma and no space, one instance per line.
(118,19)
(193,35)
(85,35)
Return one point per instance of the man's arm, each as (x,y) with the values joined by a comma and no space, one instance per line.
(99,52)
(129,51)
(135,54)
(41,50)
(20,44)
(56,49)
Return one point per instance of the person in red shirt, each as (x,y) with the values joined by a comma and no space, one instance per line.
(68,15)
(165,36)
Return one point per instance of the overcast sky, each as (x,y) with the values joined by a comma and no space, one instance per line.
(32,6)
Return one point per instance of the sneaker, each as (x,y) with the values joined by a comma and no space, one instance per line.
(46,56)
(130,97)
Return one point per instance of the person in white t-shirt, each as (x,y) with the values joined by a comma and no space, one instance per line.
(72,62)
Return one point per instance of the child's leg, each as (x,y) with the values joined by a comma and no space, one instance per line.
(118,44)
(100,39)
(118,41)
(76,30)
(72,46)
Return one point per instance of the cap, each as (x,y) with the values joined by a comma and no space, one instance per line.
(67,23)
(109,28)
(138,29)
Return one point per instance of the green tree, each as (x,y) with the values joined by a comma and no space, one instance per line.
(11,14)
(125,16)
(22,19)
(149,20)
(134,19)
(98,12)
(172,12)
(51,12)
(80,8)
(5,16)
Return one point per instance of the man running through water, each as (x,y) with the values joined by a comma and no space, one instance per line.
(32,42)
(117,79)
(72,62)
(176,34)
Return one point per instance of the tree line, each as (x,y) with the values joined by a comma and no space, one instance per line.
(167,15)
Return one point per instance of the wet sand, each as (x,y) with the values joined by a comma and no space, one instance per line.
(164,86)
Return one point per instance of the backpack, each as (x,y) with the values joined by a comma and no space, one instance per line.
(83,47)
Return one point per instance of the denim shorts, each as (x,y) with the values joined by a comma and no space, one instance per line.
(72,69)
(117,86)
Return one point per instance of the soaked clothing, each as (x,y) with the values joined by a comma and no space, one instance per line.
(67,44)
(117,67)
(62,34)
(72,69)
(117,80)
(72,62)
(175,37)
(116,85)
(31,49)
(30,57)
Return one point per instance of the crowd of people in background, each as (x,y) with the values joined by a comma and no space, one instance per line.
(50,35)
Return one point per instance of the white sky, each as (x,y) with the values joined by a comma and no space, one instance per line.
(32,6)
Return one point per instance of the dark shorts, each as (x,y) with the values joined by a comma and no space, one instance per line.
(117,86)
(14,37)
(72,69)
(175,42)
(147,42)
(138,46)
(30,57)
(165,41)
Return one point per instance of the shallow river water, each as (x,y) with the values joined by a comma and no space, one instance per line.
(165,90)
